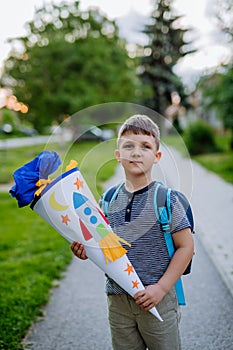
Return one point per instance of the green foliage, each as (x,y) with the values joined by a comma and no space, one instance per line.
(224,14)
(69,60)
(10,118)
(166,46)
(223,142)
(217,90)
(199,138)
(217,87)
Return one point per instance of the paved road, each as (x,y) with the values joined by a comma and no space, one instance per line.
(34,140)
(76,317)
(25,141)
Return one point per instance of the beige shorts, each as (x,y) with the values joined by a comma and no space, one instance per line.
(135,329)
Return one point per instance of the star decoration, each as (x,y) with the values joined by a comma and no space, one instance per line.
(78,183)
(65,219)
(135,284)
(129,269)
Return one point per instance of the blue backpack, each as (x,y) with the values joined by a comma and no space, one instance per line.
(162,208)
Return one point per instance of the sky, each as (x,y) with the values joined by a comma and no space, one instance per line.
(197,14)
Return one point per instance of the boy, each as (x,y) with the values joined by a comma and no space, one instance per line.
(131,215)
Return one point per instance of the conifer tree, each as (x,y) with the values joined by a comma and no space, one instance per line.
(166,46)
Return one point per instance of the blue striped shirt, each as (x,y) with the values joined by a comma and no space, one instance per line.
(132,217)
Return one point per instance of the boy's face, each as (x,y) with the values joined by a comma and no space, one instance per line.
(137,153)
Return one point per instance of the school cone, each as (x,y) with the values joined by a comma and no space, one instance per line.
(68,205)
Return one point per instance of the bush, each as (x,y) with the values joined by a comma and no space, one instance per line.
(9,117)
(199,138)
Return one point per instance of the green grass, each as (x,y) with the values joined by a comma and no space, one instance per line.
(223,142)
(221,163)
(32,254)
(177,142)
(11,159)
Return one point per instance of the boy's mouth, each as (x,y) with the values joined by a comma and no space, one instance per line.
(135,162)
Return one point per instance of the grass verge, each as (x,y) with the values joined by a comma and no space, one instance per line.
(32,254)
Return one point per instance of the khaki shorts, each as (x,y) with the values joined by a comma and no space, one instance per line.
(135,329)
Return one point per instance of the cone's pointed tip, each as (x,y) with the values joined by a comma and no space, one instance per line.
(156,314)
(159,318)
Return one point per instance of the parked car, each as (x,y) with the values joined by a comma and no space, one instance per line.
(96,133)
(9,129)
(28,131)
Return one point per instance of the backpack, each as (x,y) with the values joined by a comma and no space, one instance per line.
(163,212)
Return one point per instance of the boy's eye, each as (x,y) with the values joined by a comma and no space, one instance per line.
(128,145)
(146,147)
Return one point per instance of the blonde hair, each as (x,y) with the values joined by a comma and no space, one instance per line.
(140,124)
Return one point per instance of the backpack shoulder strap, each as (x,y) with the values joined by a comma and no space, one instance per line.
(162,207)
(108,196)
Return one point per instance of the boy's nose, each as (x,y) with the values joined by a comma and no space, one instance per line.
(136,151)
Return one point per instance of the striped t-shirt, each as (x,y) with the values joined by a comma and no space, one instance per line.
(132,217)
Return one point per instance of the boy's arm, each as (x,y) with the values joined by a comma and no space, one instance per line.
(153,294)
(183,241)
(78,250)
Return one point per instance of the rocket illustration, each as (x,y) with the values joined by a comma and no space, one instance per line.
(94,225)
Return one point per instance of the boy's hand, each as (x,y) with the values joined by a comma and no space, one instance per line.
(149,297)
(78,250)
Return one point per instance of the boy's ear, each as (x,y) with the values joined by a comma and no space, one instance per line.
(157,157)
(117,155)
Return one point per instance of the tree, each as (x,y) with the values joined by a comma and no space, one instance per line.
(166,46)
(217,90)
(224,16)
(217,87)
(68,61)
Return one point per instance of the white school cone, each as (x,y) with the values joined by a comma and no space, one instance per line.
(68,205)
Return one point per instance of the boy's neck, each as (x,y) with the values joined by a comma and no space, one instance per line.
(138,184)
